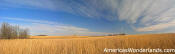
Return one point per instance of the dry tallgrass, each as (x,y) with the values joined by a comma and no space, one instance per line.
(85,45)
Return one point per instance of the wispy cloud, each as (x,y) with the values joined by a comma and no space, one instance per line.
(28,20)
(38,27)
(87,8)
(157,27)
(61,30)
(149,14)
(153,15)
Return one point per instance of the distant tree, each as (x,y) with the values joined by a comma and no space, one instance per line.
(5,30)
(42,35)
(15,32)
(8,31)
(116,34)
(23,33)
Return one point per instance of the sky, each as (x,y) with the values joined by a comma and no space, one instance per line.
(90,17)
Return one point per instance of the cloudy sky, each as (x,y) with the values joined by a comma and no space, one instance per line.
(90,17)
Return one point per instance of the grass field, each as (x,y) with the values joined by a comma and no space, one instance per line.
(85,44)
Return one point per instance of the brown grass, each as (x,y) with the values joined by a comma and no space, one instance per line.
(84,44)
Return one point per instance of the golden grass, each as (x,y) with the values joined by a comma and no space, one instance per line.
(84,44)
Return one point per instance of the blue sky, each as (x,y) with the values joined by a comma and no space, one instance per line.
(90,17)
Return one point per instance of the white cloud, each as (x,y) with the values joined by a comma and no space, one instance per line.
(157,27)
(28,20)
(38,27)
(87,8)
(150,15)
(61,30)
(146,13)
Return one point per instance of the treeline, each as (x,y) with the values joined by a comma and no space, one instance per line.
(8,31)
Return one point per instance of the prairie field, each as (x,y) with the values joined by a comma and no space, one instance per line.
(86,44)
